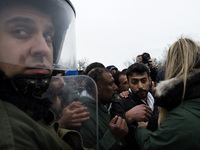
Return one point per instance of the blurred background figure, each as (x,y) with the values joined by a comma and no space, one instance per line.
(146,59)
(121,82)
(112,69)
(55,90)
(69,113)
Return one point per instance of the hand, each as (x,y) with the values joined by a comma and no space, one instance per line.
(139,58)
(73,115)
(150,63)
(124,94)
(56,104)
(118,128)
(138,113)
(143,124)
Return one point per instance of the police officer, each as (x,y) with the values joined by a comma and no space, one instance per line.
(32,35)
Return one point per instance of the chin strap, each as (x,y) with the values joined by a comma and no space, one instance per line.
(25,92)
(31,85)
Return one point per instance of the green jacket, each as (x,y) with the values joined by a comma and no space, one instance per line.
(20,132)
(89,131)
(180,131)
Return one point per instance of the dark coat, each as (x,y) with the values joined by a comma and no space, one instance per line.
(88,130)
(121,106)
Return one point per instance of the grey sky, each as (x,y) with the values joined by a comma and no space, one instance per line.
(114,31)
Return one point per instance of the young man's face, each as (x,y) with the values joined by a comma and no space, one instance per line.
(123,83)
(106,88)
(25,41)
(139,84)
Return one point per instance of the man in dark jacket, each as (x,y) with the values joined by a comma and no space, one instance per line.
(139,105)
(111,130)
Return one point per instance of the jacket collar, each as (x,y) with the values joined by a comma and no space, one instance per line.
(169,92)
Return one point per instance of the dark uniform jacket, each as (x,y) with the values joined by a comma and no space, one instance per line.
(19,131)
(26,123)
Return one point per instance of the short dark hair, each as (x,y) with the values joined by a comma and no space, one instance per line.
(116,77)
(96,74)
(137,67)
(93,65)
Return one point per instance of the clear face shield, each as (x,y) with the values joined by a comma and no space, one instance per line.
(36,35)
(75,105)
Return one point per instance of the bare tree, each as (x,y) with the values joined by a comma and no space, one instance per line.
(127,63)
(156,63)
(82,63)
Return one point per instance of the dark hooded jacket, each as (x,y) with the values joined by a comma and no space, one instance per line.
(181,128)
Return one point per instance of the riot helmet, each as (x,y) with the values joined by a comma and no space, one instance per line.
(35,36)
(18,28)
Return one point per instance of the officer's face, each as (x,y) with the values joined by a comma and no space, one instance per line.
(57,84)
(139,84)
(25,41)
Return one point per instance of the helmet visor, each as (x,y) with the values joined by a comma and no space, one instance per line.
(75,105)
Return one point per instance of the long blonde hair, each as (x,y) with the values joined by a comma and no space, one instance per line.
(182,56)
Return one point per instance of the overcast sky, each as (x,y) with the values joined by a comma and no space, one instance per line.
(115,31)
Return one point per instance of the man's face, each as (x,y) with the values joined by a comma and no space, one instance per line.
(106,88)
(123,83)
(25,41)
(139,84)
(57,84)
(113,71)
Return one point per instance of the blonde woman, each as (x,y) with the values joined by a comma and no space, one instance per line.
(179,100)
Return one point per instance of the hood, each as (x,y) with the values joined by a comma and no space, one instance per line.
(169,92)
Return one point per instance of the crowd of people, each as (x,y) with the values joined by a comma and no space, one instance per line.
(45,104)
